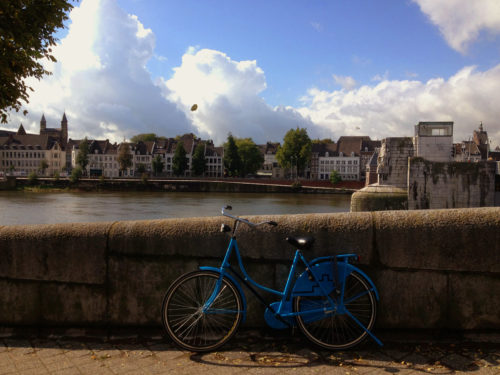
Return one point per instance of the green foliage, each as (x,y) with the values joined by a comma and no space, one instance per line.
(179,161)
(322,141)
(43,165)
(26,36)
(199,163)
(56,175)
(296,149)
(32,178)
(76,174)
(141,168)
(144,137)
(144,178)
(82,158)
(124,157)
(250,157)
(335,177)
(158,164)
(232,160)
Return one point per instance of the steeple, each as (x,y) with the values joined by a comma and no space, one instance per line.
(481,126)
(43,124)
(21,130)
(64,130)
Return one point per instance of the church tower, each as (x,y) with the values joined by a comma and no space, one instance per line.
(64,130)
(43,124)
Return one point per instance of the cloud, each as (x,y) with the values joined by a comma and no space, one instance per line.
(378,77)
(391,108)
(102,83)
(460,21)
(317,26)
(347,82)
(101,80)
(227,94)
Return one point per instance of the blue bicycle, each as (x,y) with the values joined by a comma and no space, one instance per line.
(332,302)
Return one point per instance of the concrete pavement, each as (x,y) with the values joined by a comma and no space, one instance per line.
(250,352)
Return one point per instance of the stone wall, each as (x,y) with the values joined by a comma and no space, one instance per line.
(450,185)
(435,269)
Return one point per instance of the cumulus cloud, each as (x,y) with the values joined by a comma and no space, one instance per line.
(102,83)
(460,21)
(227,94)
(391,108)
(101,80)
(347,82)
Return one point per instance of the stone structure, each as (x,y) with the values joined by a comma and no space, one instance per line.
(379,198)
(392,163)
(424,167)
(435,269)
(450,185)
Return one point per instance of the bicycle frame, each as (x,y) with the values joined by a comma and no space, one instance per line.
(282,310)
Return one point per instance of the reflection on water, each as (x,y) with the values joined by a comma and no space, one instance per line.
(41,208)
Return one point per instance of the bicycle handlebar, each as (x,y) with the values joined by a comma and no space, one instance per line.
(247,222)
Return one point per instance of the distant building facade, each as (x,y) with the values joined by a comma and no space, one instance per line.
(44,153)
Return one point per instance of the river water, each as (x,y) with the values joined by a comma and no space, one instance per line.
(18,207)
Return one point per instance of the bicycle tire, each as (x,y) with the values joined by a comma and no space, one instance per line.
(339,331)
(187,325)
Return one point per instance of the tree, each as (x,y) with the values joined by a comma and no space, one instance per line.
(158,164)
(296,149)
(179,161)
(32,178)
(335,177)
(76,174)
(232,161)
(199,163)
(250,156)
(144,137)
(82,158)
(324,141)
(124,156)
(26,36)
(43,166)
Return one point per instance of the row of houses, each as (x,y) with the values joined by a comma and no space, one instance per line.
(103,156)
(352,157)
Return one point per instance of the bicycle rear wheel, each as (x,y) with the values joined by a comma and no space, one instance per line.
(186,323)
(337,331)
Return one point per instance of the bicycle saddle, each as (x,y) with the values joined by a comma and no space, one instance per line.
(302,243)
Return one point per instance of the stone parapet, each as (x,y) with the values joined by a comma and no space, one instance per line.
(435,269)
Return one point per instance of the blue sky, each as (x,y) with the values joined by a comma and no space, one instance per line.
(300,44)
(258,68)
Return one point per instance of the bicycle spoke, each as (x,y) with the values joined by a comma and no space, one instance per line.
(338,330)
(185,319)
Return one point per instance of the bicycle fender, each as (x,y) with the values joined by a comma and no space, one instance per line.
(238,286)
(353,268)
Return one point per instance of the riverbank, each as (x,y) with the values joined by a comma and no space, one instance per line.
(182,185)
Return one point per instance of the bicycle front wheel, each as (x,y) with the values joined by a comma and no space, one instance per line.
(337,330)
(185,320)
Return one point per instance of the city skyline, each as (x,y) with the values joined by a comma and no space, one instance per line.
(258,69)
